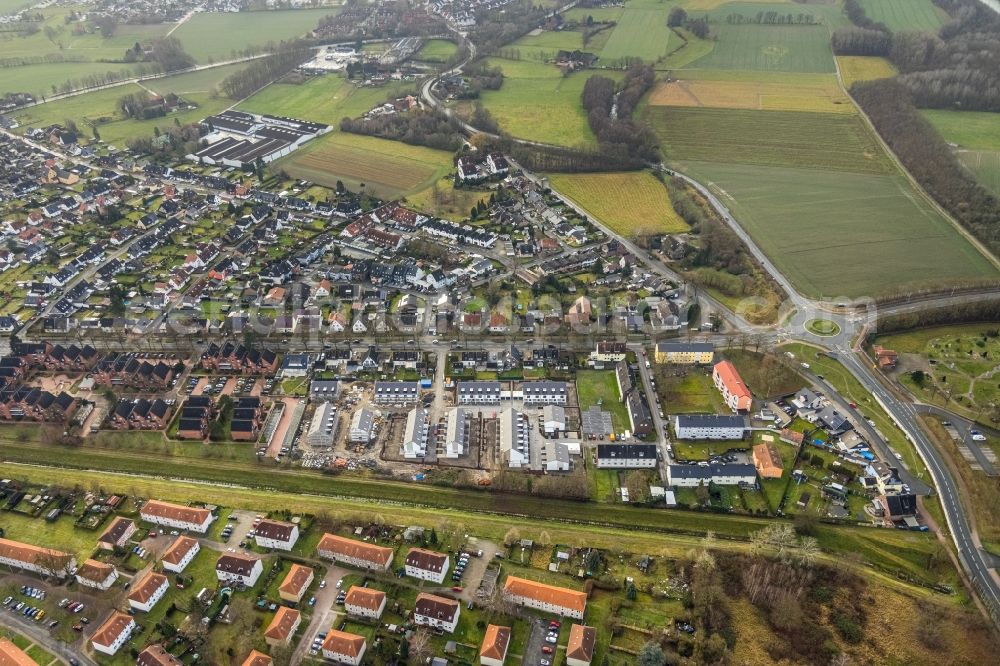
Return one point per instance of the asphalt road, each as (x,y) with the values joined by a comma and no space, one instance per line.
(975,561)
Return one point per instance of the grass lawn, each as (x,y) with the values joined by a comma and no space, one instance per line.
(878,219)
(537,102)
(976,130)
(864,68)
(40,79)
(772,48)
(600,387)
(837,142)
(986,165)
(445,201)
(436,50)
(632,203)
(765,375)
(900,15)
(219,36)
(201,81)
(99,109)
(60,534)
(385,168)
(325,99)
(689,392)
(545,46)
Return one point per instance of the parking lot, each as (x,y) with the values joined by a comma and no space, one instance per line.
(541,645)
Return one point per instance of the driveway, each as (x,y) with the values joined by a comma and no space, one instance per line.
(324,616)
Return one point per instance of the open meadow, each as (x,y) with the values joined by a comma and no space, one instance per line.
(641,32)
(436,50)
(818,92)
(208,36)
(805,218)
(781,48)
(977,135)
(100,108)
(771,138)
(325,99)
(864,68)
(900,15)
(537,102)
(632,203)
(387,169)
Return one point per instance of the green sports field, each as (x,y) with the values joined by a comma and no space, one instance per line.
(325,99)
(770,48)
(220,35)
(901,15)
(772,138)
(436,50)
(843,234)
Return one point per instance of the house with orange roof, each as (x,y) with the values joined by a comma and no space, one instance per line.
(580,648)
(546,598)
(114,633)
(493,651)
(45,561)
(365,602)
(732,387)
(176,516)
(157,655)
(11,655)
(96,574)
(180,553)
(356,553)
(296,582)
(767,460)
(148,591)
(344,648)
(256,658)
(283,626)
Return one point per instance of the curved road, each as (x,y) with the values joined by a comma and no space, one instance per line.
(971,555)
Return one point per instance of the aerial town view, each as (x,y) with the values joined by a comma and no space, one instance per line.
(499,332)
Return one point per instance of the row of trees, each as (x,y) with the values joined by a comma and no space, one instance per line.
(420,128)
(861,42)
(609,114)
(507,24)
(857,15)
(928,158)
(285,58)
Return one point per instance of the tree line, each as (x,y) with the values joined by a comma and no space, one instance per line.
(889,105)
(609,114)
(501,26)
(263,71)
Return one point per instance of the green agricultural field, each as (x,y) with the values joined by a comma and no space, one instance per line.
(805,218)
(218,36)
(829,13)
(975,130)
(537,102)
(682,54)
(641,32)
(770,48)
(384,168)
(325,99)
(770,138)
(632,203)
(901,15)
(436,50)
